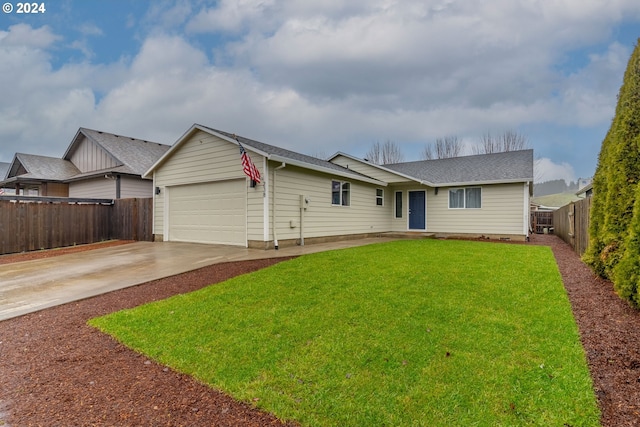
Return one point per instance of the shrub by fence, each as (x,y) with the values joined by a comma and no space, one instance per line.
(28,223)
(571,223)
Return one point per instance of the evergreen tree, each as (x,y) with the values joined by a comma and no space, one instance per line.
(615,182)
(627,273)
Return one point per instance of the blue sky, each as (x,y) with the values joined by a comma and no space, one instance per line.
(320,77)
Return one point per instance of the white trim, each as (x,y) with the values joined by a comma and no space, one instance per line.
(330,171)
(464,198)
(265,203)
(341,205)
(381,197)
(423,190)
(526,210)
(165,215)
(395,206)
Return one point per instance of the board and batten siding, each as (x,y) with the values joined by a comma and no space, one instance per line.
(206,158)
(368,170)
(321,218)
(89,156)
(502,212)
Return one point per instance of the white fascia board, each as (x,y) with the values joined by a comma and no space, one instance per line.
(364,162)
(170,151)
(304,165)
(330,171)
(470,183)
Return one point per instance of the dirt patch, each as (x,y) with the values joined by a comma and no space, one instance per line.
(56,371)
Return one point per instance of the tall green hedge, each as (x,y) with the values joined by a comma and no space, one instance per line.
(614,211)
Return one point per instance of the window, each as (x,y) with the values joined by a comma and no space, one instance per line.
(398,204)
(379,197)
(465,198)
(340,193)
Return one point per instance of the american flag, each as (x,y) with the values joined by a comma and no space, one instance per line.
(247,165)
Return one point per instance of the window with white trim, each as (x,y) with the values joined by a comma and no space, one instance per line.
(379,197)
(465,198)
(340,193)
(398,204)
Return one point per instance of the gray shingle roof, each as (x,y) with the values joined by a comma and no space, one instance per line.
(512,166)
(46,168)
(286,154)
(134,155)
(4,168)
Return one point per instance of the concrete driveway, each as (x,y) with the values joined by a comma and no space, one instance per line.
(30,286)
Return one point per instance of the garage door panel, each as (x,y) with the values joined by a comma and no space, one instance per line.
(212,212)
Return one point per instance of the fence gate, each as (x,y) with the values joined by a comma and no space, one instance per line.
(541,220)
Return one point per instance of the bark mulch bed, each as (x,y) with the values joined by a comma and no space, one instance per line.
(57,371)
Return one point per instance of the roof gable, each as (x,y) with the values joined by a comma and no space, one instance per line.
(120,154)
(41,168)
(271,152)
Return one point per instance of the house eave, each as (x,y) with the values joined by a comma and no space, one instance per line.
(365,162)
(325,170)
(488,182)
(149,174)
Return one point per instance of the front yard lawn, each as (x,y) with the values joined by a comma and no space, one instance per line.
(412,333)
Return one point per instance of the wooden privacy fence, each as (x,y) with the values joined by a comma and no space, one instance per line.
(28,223)
(571,223)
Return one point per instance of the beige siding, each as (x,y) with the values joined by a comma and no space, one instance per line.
(98,188)
(206,158)
(402,224)
(321,218)
(367,170)
(502,212)
(131,187)
(89,156)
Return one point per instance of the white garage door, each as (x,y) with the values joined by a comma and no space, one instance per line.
(213,212)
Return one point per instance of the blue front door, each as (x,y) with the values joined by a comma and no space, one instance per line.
(416,210)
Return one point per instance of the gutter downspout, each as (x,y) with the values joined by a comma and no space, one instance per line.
(273,206)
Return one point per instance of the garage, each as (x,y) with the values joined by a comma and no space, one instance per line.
(211,212)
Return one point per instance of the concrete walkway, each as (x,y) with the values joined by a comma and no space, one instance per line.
(30,286)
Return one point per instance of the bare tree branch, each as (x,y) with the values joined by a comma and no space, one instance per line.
(507,141)
(443,148)
(384,154)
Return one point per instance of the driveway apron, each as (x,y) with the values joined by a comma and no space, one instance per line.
(30,286)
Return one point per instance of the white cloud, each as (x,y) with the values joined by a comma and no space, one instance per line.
(24,36)
(546,170)
(89,29)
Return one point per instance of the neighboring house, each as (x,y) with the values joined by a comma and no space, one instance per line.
(95,165)
(202,194)
(586,191)
(4,168)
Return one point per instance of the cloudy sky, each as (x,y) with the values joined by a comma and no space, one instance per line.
(319,76)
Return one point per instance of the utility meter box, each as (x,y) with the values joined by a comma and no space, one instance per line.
(304,201)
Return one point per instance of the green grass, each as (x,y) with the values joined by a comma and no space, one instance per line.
(408,333)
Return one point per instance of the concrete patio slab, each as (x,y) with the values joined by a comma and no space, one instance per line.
(30,286)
